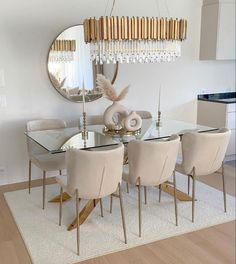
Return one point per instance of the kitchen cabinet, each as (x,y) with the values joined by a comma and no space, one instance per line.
(219,112)
(218,30)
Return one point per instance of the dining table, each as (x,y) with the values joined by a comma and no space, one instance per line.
(96,137)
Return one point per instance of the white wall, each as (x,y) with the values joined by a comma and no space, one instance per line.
(28,27)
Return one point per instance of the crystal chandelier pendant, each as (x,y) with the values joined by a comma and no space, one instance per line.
(132,40)
(135,51)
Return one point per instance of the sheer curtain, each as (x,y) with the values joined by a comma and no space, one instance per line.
(79,71)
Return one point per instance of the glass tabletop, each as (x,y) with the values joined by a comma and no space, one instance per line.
(58,140)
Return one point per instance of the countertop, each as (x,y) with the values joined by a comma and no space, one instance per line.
(223,98)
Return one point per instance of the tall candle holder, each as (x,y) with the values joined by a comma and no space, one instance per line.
(84,130)
(159,123)
(85,143)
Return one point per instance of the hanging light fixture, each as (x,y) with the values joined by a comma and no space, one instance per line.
(62,50)
(134,39)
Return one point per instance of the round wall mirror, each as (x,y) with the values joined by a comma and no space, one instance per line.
(70,68)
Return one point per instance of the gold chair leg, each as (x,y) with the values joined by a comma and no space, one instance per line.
(139,206)
(101,207)
(29,176)
(122,213)
(224,191)
(175,199)
(60,208)
(145,194)
(188,184)
(159,193)
(193,196)
(111,199)
(77,217)
(44,187)
(127,187)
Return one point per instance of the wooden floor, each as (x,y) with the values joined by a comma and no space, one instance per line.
(211,245)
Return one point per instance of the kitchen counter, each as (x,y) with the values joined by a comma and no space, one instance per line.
(219,110)
(224,98)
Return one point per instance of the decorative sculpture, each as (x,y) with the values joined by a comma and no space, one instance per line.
(117,117)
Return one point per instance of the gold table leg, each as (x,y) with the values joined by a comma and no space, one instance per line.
(91,204)
(65,197)
(179,194)
(84,213)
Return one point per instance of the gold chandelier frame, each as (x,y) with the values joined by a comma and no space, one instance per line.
(64,45)
(134,28)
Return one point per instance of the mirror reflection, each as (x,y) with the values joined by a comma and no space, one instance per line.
(70,68)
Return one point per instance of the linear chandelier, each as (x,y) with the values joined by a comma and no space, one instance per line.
(134,39)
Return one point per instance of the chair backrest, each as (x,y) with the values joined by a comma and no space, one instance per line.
(152,161)
(144,114)
(92,120)
(45,124)
(41,124)
(204,151)
(94,173)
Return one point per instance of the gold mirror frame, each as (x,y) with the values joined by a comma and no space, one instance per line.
(69,45)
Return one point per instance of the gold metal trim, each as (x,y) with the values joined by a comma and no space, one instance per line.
(120,132)
(132,28)
(63,45)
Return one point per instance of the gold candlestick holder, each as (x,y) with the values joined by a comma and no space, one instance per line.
(159,123)
(84,130)
(85,145)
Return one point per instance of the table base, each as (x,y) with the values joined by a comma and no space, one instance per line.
(91,204)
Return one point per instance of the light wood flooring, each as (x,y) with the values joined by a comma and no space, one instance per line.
(211,245)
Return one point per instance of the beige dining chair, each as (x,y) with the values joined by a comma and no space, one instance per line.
(152,163)
(92,182)
(45,161)
(144,115)
(203,154)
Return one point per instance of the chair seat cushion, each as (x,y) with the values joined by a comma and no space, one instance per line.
(62,181)
(179,168)
(49,162)
(126,178)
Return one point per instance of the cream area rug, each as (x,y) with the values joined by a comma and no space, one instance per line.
(49,243)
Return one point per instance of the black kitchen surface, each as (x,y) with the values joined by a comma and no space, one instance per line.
(225,98)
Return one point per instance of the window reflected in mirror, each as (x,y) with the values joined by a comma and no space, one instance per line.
(70,68)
